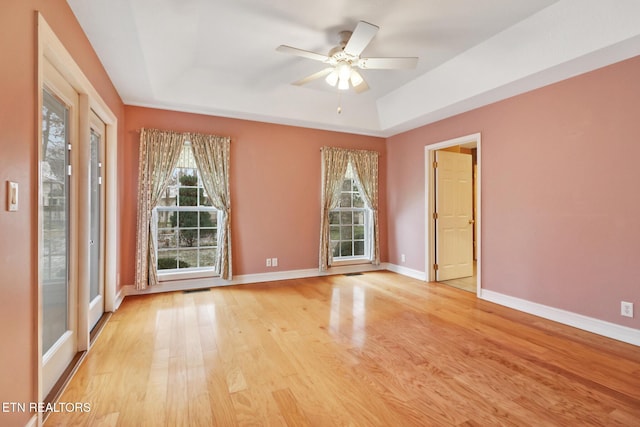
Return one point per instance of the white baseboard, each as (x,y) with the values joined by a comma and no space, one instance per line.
(415,274)
(119,298)
(190,284)
(600,327)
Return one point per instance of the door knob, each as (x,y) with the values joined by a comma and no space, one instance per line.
(472,221)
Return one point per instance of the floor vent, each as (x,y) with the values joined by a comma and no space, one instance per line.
(190,291)
(353,274)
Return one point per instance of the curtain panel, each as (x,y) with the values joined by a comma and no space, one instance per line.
(365,165)
(334,166)
(159,153)
(212,157)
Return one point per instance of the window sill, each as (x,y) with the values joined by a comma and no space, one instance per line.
(350,261)
(186,275)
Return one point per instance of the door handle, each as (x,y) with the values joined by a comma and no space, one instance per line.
(472,221)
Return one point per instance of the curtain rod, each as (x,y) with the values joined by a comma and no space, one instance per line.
(184,133)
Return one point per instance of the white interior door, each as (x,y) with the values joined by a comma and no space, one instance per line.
(57,277)
(454,222)
(96,220)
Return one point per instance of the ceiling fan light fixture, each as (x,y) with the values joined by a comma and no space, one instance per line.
(356,78)
(343,84)
(332,78)
(344,70)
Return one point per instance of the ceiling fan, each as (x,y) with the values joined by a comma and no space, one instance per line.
(345,58)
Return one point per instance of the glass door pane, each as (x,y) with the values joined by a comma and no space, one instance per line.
(96,205)
(96,219)
(55,219)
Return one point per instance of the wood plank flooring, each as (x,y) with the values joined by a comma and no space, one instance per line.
(377,349)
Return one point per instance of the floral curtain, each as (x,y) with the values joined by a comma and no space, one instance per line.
(365,164)
(212,157)
(159,153)
(334,166)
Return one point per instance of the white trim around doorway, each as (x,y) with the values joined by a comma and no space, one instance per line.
(429,200)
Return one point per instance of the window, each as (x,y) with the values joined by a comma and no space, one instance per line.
(187,224)
(348,223)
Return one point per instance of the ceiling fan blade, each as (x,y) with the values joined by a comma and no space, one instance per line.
(387,63)
(362,35)
(303,53)
(313,76)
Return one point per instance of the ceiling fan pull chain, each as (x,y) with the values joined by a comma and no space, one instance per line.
(339,102)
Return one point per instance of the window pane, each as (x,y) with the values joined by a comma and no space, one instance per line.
(346,217)
(187,219)
(335,232)
(346,185)
(206,237)
(188,196)
(207,257)
(188,177)
(358,248)
(166,219)
(358,202)
(188,258)
(208,219)
(167,260)
(204,199)
(166,239)
(334,217)
(188,238)
(345,200)
(358,217)
(358,232)
(169,198)
(335,248)
(346,232)
(345,249)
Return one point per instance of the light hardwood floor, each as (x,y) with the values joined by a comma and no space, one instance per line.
(377,349)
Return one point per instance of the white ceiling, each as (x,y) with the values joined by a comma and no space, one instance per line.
(218,57)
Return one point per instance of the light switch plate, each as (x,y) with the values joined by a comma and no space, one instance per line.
(12,196)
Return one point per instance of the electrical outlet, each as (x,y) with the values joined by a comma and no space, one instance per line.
(626,309)
(274,262)
(403,258)
(268,262)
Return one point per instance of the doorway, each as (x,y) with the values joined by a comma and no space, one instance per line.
(75,151)
(452,173)
(58,226)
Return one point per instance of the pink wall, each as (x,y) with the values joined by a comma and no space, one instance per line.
(560,205)
(275,187)
(18,162)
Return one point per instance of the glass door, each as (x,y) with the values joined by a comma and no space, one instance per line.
(96,270)
(57,278)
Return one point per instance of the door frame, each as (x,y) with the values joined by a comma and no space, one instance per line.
(52,49)
(429,197)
